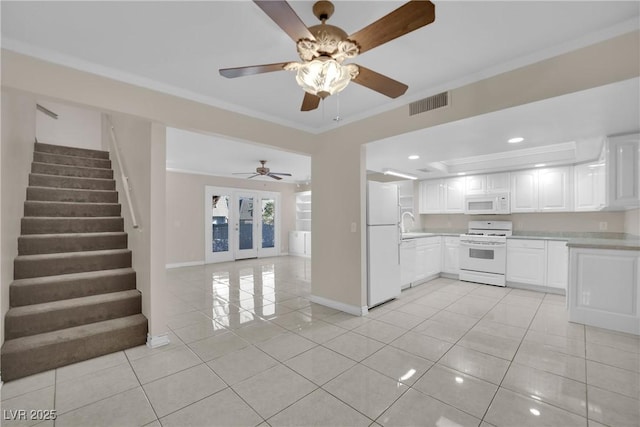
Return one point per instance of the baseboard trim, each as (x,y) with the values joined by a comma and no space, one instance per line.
(536,288)
(347,308)
(184,264)
(156,341)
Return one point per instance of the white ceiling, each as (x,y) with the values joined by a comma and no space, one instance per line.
(178,47)
(210,155)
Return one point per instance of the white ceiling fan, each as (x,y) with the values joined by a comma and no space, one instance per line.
(263,171)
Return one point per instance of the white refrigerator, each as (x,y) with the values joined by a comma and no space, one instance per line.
(383,243)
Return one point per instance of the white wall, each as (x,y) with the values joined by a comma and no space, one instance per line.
(75,127)
(185,212)
(142,147)
(16,154)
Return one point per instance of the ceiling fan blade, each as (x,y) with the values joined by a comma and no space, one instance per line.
(231,73)
(253,176)
(310,102)
(280,173)
(403,20)
(242,173)
(380,83)
(282,14)
(274,176)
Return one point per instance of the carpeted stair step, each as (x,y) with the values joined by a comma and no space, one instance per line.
(26,266)
(37,353)
(35,244)
(62,209)
(64,170)
(39,290)
(71,195)
(50,316)
(57,181)
(70,151)
(52,225)
(60,159)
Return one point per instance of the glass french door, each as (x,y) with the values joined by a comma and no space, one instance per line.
(245,225)
(240,224)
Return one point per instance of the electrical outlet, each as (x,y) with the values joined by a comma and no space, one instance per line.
(603,225)
(353,227)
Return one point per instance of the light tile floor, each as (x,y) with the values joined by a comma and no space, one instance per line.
(248,348)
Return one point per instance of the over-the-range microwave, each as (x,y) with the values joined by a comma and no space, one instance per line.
(498,203)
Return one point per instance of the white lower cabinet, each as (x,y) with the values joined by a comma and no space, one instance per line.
(526,260)
(300,243)
(429,253)
(407,262)
(420,260)
(451,255)
(538,263)
(557,264)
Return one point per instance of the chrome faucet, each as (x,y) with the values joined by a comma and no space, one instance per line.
(402,227)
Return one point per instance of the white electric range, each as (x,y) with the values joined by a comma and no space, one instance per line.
(483,252)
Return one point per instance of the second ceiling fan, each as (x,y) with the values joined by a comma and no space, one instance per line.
(323,49)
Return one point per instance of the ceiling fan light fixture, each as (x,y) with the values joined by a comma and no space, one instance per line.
(324,76)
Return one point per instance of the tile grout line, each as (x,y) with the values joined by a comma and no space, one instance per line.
(141,387)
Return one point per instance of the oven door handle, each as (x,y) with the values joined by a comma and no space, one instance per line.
(484,245)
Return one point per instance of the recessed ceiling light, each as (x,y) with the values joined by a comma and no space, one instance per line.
(516,140)
(414,157)
(539,165)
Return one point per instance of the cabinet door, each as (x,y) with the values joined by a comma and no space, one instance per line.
(498,182)
(476,184)
(421,267)
(450,257)
(453,189)
(557,264)
(524,191)
(554,189)
(589,186)
(407,263)
(624,176)
(433,259)
(431,196)
(526,264)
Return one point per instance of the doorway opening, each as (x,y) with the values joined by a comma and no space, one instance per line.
(241,224)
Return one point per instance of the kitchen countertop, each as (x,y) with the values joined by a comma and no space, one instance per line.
(596,240)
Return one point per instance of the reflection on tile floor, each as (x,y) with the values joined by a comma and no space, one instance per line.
(248,348)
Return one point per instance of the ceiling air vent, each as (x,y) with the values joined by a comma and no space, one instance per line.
(430,103)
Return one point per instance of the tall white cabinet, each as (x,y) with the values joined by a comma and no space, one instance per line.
(300,238)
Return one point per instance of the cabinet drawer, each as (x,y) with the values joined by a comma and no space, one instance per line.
(451,240)
(526,244)
(425,241)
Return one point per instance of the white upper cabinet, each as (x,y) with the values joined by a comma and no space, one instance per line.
(453,189)
(542,190)
(589,186)
(442,195)
(524,191)
(430,196)
(476,184)
(623,174)
(554,189)
(491,183)
(498,182)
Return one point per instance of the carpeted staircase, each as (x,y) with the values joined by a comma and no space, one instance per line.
(74,292)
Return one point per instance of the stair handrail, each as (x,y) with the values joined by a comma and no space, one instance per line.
(47,111)
(123,175)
